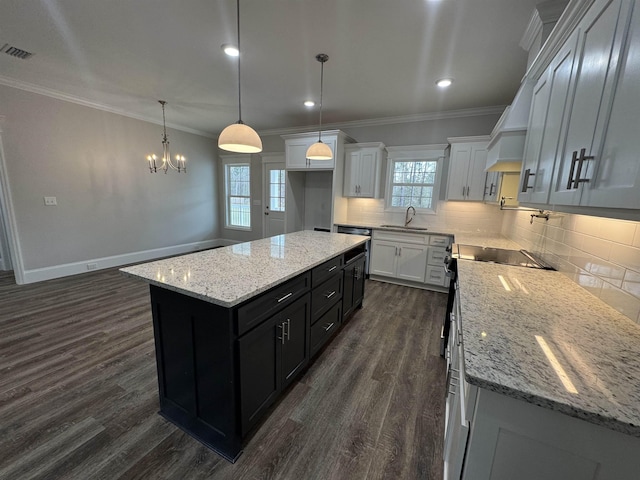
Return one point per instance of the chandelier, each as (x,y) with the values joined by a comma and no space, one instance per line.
(180,160)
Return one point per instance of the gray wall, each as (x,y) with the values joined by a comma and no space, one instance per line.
(94,163)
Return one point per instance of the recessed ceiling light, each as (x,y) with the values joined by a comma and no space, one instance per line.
(444,82)
(309,103)
(230,50)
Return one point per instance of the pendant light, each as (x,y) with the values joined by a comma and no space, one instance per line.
(319,150)
(239,137)
(180,160)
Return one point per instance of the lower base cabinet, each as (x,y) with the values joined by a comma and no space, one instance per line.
(511,438)
(354,278)
(220,369)
(270,356)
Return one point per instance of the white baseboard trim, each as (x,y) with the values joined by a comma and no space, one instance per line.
(57,271)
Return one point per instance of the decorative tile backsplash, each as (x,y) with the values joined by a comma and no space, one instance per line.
(469,216)
(600,254)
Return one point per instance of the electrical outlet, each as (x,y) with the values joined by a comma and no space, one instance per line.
(92,266)
(50,201)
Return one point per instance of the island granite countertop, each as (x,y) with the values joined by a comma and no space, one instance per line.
(230,275)
(512,315)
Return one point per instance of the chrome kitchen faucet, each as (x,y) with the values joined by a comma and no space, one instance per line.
(407,219)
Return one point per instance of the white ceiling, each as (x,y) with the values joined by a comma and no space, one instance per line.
(384,57)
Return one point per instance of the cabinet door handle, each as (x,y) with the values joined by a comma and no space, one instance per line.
(491,189)
(525,180)
(574,160)
(581,160)
(329,295)
(468,190)
(399,251)
(288,331)
(281,337)
(463,188)
(282,299)
(333,268)
(328,327)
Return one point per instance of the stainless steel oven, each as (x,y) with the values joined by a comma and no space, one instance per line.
(366,231)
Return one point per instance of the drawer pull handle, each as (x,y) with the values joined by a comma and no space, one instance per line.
(285,297)
(328,327)
(333,268)
(329,295)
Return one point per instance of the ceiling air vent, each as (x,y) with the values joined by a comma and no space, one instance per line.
(15,52)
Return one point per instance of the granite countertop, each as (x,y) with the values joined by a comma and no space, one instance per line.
(230,275)
(511,315)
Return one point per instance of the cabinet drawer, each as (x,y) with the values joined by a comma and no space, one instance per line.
(325,295)
(439,241)
(323,329)
(436,275)
(262,307)
(436,256)
(323,271)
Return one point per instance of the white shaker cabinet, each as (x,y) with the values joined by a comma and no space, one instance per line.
(364,164)
(548,109)
(414,259)
(398,255)
(616,178)
(296,146)
(467,163)
(602,33)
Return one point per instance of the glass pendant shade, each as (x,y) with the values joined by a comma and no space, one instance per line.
(319,151)
(240,138)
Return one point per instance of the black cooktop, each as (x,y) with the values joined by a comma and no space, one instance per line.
(503,256)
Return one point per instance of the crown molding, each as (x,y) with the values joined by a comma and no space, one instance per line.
(49,92)
(420,117)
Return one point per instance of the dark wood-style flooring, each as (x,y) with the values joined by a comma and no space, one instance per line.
(78,392)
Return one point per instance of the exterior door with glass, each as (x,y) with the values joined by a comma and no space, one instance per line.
(274,197)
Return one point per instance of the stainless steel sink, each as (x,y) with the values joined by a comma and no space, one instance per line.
(402,227)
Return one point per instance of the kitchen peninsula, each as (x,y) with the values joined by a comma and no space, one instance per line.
(234,326)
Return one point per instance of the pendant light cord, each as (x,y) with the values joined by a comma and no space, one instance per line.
(321,82)
(239,55)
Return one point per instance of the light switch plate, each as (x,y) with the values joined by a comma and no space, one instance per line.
(50,201)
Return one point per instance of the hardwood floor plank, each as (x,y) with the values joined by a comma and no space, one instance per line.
(79,399)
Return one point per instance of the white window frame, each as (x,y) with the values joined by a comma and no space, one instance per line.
(234,161)
(417,153)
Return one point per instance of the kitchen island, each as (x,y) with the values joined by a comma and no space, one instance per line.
(234,326)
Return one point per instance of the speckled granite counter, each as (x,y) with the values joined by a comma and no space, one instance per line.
(510,315)
(230,275)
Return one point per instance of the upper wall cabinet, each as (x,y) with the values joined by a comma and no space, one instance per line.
(296,146)
(599,60)
(467,164)
(548,108)
(364,165)
(582,145)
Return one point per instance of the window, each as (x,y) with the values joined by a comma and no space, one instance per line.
(237,194)
(276,190)
(413,180)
